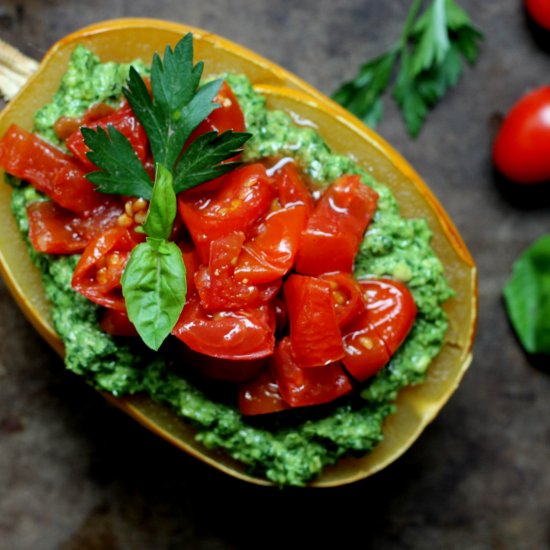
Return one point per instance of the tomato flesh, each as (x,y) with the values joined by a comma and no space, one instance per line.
(348,302)
(314,331)
(219,289)
(228,116)
(335,230)
(233,202)
(49,170)
(261,396)
(237,334)
(373,337)
(270,254)
(55,230)
(124,121)
(98,272)
(300,386)
(291,188)
(117,323)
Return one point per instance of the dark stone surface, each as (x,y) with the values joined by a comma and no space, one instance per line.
(77,474)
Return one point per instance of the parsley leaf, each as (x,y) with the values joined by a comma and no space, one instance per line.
(178,105)
(123,173)
(426,62)
(203,159)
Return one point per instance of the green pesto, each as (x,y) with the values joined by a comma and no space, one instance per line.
(86,81)
(289,451)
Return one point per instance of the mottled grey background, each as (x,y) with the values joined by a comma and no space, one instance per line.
(77,474)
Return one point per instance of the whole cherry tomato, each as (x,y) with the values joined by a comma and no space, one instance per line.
(521,151)
(539,10)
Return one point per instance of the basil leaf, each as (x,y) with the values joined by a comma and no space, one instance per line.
(527,297)
(154,288)
(163,206)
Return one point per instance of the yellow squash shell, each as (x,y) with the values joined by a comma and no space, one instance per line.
(123,40)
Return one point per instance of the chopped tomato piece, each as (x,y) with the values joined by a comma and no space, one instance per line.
(261,396)
(117,323)
(237,334)
(55,230)
(301,386)
(216,284)
(270,254)
(48,169)
(98,272)
(291,187)
(66,125)
(373,337)
(228,116)
(233,202)
(348,302)
(314,331)
(124,121)
(391,308)
(52,229)
(334,231)
(366,351)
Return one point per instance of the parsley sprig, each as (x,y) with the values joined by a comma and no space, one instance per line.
(153,282)
(423,65)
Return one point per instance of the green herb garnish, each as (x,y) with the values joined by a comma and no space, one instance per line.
(153,282)
(527,297)
(430,51)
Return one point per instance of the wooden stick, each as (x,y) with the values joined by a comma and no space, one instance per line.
(15,69)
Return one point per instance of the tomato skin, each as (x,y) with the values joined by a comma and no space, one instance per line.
(292,189)
(219,289)
(392,309)
(124,121)
(55,230)
(314,331)
(335,230)
(239,334)
(375,335)
(233,202)
(117,323)
(539,10)
(261,396)
(48,169)
(228,116)
(112,248)
(520,150)
(270,254)
(348,302)
(301,387)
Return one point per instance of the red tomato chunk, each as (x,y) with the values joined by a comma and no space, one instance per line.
(335,230)
(314,330)
(49,170)
(305,386)
(233,202)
